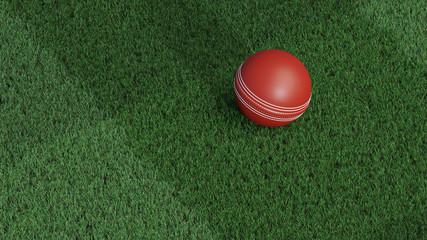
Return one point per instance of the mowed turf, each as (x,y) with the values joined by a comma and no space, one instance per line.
(160,76)
(66,171)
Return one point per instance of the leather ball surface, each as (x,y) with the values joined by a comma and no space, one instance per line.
(272,88)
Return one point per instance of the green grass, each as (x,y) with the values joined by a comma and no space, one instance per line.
(66,170)
(119,120)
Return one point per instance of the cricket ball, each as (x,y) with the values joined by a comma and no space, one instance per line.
(272,88)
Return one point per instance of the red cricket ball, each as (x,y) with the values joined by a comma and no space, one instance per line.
(272,88)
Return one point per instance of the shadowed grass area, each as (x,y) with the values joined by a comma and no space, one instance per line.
(65,170)
(351,166)
(406,21)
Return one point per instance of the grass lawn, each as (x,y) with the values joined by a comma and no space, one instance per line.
(118,120)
